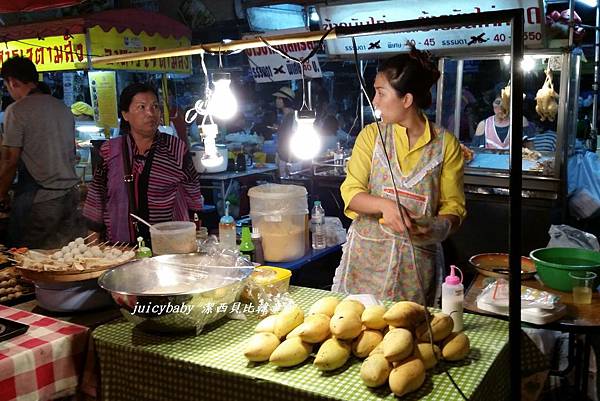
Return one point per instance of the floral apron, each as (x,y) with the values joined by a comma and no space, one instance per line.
(376,260)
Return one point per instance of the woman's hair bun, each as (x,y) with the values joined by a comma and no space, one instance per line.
(426,60)
(414,72)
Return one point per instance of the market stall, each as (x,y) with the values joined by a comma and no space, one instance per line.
(212,366)
(68,45)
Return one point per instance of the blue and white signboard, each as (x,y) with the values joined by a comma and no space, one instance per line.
(460,37)
(268,66)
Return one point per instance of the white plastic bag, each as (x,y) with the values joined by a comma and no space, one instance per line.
(496,293)
(564,236)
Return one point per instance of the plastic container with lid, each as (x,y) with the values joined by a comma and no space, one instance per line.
(173,237)
(265,281)
(280,212)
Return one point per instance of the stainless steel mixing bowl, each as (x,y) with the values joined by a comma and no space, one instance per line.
(174,293)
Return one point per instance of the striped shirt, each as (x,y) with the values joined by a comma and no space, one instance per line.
(173,184)
(545,142)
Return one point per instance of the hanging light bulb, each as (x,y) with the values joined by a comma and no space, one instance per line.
(211,156)
(222,103)
(305,142)
(314,15)
(528,63)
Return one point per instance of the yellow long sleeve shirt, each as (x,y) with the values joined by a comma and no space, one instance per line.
(452,196)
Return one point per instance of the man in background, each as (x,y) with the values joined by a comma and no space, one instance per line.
(38,147)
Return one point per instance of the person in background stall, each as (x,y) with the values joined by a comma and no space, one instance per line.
(545,141)
(143,171)
(39,146)
(285,103)
(492,133)
(5,101)
(328,132)
(266,125)
(177,116)
(82,111)
(427,165)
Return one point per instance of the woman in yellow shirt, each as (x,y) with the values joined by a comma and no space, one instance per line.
(427,167)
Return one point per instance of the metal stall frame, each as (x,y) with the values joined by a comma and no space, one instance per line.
(534,186)
(515,17)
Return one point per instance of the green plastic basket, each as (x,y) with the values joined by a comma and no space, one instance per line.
(554,264)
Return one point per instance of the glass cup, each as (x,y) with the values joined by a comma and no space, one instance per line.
(582,286)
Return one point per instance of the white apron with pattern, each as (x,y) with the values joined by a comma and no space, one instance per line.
(492,140)
(376,260)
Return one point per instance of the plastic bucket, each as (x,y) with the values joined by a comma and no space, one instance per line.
(554,264)
(173,237)
(281,214)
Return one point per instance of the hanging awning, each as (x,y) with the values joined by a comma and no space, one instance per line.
(17,6)
(63,44)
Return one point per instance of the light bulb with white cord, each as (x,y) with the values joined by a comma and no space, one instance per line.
(305,143)
(211,156)
(222,104)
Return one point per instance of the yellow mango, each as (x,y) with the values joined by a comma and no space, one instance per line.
(372,317)
(441,327)
(429,357)
(287,320)
(405,314)
(325,306)
(267,325)
(346,326)
(407,376)
(260,346)
(456,347)
(315,328)
(349,305)
(397,345)
(366,342)
(332,354)
(291,352)
(375,370)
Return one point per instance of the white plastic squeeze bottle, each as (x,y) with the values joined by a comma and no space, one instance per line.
(453,298)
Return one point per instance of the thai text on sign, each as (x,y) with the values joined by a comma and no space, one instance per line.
(52,53)
(459,37)
(114,42)
(268,66)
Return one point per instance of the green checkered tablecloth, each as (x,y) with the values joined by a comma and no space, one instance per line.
(138,366)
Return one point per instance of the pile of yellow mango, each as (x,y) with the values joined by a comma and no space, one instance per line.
(395,342)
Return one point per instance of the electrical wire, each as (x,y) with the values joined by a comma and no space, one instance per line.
(299,61)
(408,238)
(201,106)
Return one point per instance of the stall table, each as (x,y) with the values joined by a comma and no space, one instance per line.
(135,365)
(226,178)
(315,269)
(44,363)
(579,320)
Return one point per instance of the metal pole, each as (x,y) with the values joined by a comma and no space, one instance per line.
(458,97)
(309,93)
(595,87)
(515,184)
(439,108)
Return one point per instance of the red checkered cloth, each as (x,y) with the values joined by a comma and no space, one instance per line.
(45,362)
